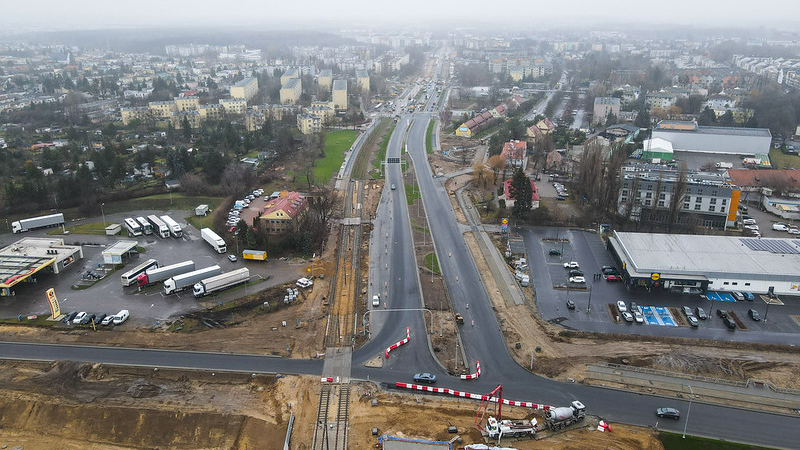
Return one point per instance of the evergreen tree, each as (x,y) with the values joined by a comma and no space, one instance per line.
(522,192)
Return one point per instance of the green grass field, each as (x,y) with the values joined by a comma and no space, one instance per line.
(432,263)
(412,193)
(176,200)
(336,143)
(429,137)
(674,441)
(382,152)
(87,228)
(779,160)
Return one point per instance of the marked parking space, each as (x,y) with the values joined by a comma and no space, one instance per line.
(720,297)
(658,315)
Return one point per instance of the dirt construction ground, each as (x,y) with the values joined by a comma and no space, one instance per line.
(76,406)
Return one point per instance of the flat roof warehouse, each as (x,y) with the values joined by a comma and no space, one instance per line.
(722,263)
(26,257)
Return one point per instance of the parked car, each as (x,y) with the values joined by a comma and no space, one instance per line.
(627,316)
(779,227)
(692,320)
(749,221)
(700,313)
(87,319)
(570,304)
(575,273)
(121,317)
(749,296)
(729,322)
(610,270)
(425,378)
(70,317)
(108,320)
(232,258)
(577,280)
(79,317)
(754,314)
(638,317)
(634,307)
(621,306)
(686,311)
(555,251)
(738,296)
(611,278)
(722,313)
(571,265)
(794,231)
(100,318)
(668,413)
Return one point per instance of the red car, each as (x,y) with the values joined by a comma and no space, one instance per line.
(613,277)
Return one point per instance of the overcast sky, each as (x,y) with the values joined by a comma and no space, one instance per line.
(92,14)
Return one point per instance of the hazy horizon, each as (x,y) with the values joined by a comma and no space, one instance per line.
(94,14)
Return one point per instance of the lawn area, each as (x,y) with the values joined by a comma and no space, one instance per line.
(781,160)
(674,441)
(382,151)
(201,222)
(87,228)
(429,137)
(336,143)
(412,193)
(176,200)
(432,263)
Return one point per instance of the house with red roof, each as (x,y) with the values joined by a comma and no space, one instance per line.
(509,197)
(515,153)
(282,214)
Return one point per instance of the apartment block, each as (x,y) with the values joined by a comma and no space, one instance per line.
(340,95)
(362,78)
(135,113)
(325,80)
(211,112)
(186,103)
(246,89)
(290,92)
(309,123)
(234,106)
(288,75)
(603,106)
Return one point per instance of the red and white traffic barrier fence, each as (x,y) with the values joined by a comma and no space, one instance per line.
(326,379)
(472,376)
(435,390)
(404,341)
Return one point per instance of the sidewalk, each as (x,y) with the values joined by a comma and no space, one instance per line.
(702,387)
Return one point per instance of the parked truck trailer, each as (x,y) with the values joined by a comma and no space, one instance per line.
(186,280)
(213,239)
(173,226)
(32,223)
(159,227)
(155,275)
(217,283)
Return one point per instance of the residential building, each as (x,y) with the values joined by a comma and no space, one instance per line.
(662,100)
(708,201)
(291,90)
(603,106)
(211,112)
(234,106)
(288,75)
(246,89)
(282,214)
(135,113)
(162,110)
(324,110)
(509,197)
(339,95)
(515,152)
(325,80)
(253,120)
(309,123)
(193,117)
(186,103)
(362,79)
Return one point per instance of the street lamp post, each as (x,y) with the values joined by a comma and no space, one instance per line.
(688,411)
(591,288)
(103,213)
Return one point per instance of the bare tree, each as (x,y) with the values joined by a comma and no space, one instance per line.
(678,195)
(496,163)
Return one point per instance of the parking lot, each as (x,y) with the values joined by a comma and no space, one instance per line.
(150,305)
(595,300)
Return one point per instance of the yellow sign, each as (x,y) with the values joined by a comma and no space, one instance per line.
(655,276)
(55,309)
(505,221)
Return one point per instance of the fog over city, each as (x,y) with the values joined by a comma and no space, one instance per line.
(90,14)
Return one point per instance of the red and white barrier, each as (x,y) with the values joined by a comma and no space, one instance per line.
(420,387)
(404,341)
(326,379)
(472,376)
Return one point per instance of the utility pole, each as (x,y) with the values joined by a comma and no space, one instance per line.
(103,213)
(688,411)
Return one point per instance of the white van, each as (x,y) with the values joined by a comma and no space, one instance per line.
(376,301)
(121,317)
